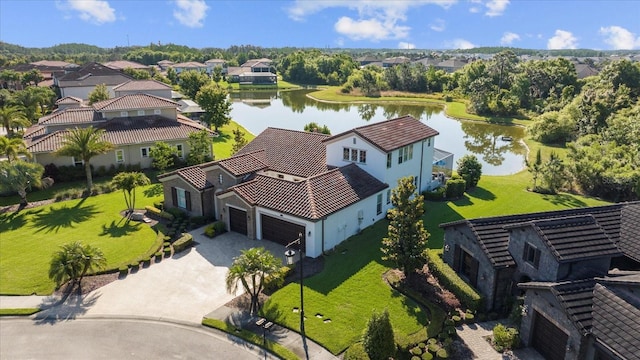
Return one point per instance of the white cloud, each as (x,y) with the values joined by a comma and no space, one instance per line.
(496,7)
(620,38)
(94,11)
(460,44)
(372,29)
(437,25)
(508,38)
(191,13)
(376,19)
(406,45)
(562,40)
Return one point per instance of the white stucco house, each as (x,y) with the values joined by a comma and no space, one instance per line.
(327,188)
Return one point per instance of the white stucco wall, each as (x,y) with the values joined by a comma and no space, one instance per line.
(82,92)
(166,94)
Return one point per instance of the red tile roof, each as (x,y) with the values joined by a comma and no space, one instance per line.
(291,152)
(195,176)
(69,100)
(243,164)
(134,101)
(392,134)
(313,198)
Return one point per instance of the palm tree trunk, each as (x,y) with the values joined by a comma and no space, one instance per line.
(87,170)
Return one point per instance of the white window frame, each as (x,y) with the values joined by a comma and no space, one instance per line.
(181,198)
(405,153)
(124,113)
(76,162)
(379,204)
(140,112)
(180,150)
(389,160)
(388,196)
(119,156)
(148,150)
(220,178)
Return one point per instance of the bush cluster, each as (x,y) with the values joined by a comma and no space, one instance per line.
(450,280)
(275,282)
(435,195)
(215,229)
(73,173)
(77,193)
(505,338)
(182,243)
(455,187)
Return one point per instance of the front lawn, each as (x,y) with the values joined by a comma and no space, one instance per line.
(346,292)
(223,144)
(28,238)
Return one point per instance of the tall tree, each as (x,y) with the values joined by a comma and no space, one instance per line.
(13,117)
(470,169)
(99,93)
(249,270)
(238,140)
(378,340)
(163,155)
(200,147)
(20,176)
(12,148)
(535,169)
(192,81)
(213,100)
(553,173)
(83,144)
(127,182)
(73,261)
(406,241)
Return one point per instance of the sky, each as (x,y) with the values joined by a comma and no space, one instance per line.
(388,24)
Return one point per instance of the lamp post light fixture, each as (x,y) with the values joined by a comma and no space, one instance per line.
(290,254)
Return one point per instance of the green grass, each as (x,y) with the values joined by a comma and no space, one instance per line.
(348,290)
(223,144)
(273,347)
(19,312)
(31,236)
(45,194)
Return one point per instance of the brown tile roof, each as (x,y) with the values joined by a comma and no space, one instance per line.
(189,64)
(124,64)
(69,100)
(291,152)
(574,237)
(34,131)
(141,85)
(134,101)
(616,315)
(392,134)
(51,63)
(124,131)
(195,176)
(71,116)
(243,164)
(92,74)
(493,238)
(313,198)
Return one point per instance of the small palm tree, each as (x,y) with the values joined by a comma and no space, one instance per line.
(73,261)
(12,148)
(13,117)
(85,143)
(250,270)
(127,182)
(20,176)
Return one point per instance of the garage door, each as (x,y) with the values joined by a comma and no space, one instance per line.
(280,231)
(548,339)
(238,220)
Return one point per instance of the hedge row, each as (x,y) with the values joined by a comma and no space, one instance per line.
(157,212)
(448,278)
(182,243)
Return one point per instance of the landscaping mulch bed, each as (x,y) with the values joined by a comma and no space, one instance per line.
(89,283)
(18,207)
(428,286)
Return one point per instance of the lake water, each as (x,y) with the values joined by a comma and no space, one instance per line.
(293,109)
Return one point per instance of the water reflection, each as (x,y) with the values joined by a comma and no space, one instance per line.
(293,109)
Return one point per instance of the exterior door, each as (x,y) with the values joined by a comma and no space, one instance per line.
(280,231)
(548,339)
(238,221)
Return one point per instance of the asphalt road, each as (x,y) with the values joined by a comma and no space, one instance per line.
(116,339)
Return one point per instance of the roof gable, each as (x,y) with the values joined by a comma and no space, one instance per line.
(391,134)
(134,101)
(79,115)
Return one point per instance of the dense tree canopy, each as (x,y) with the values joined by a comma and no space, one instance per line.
(213,99)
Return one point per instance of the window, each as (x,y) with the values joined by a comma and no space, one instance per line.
(124,113)
(144,151)
(157,112)
(363,157)
(220,178)
(77,162)
(354,141)
(405,154)
(345,154)
(355,155)
(389,196)
(140,112)
(415,181)
(181,198)
(379,204)
(531,255)
(119,156)
(429,142)
(180,151)
(389,160)
(466,265)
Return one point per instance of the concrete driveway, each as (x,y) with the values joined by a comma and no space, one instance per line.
(183,288)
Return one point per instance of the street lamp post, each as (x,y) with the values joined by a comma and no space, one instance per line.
(289,254)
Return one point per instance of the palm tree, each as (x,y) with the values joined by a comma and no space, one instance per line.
(13,148)
(13,117)
(73,261)
(85,143)
(127,182)
(19,176)
(250,270)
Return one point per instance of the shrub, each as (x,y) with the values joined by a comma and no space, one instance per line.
(427,356)
(209,231)
(456,319)
(134,265)
(435,195)
(275,282)
(199,220)
(177,213)
(469,318)
(448,98)
(182,243)
(166,215)
(468,297)
(378,339)
(454,188)
(470,169)
(159,204)
(416,351)
(505,338)
(442,354)
(167,252)
(153,210)
(433,347)
(355,352)
(124,270)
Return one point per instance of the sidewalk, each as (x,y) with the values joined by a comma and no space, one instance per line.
(474,336)
(283,336)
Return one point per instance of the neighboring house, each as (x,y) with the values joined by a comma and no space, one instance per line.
(68,102)
(585,70)
(133,123)
(121,65)
(190,109)
(492,254)
(327,188)
(47,70)
(427,61)
(165,64)
(187,66)
(584,319)
(213,63)
(451,65)
(393,61)
(151,87)
(253,72)
(81,82)
(367,59)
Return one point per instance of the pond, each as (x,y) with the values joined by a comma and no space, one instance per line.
(500,149)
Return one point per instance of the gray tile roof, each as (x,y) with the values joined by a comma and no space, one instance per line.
(124,64)
(243,164)
(92,74)
(572,238)
(493,238)
(312,198)
(133,102)
(392,134)
(69,100)
(141,85)
(195,176)
(291,152)
(616,315)
(71,116)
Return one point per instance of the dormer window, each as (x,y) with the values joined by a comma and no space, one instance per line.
(531,255)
